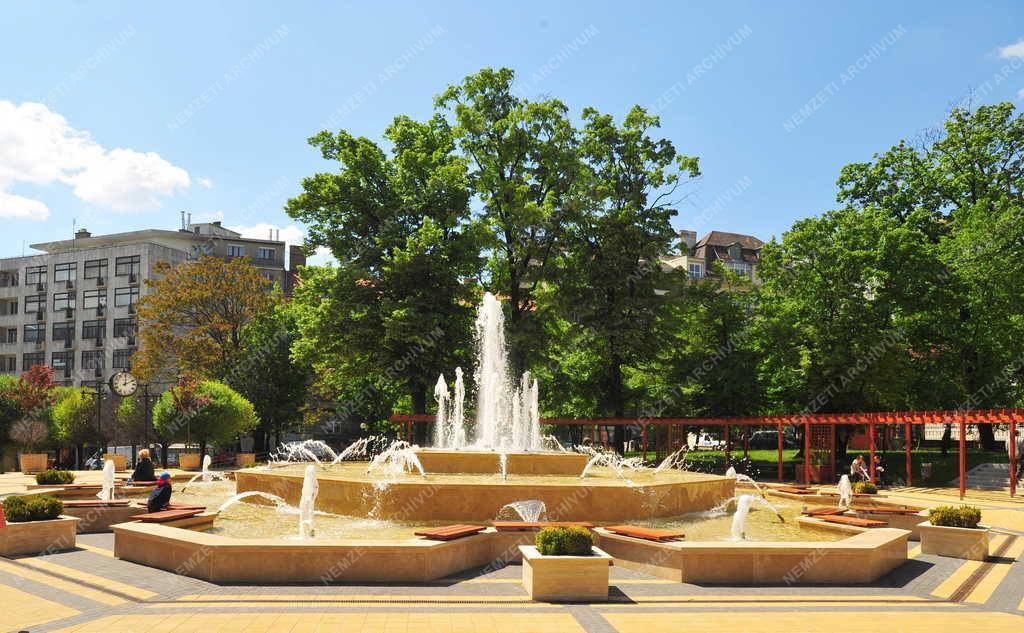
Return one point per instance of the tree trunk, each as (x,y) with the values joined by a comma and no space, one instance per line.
(987,436)
(617,403)
(419,406)
(947,439)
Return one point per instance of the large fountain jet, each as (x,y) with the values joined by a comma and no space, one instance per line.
(507,410)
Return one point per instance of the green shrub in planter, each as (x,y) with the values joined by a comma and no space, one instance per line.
(564,541)
(950,516)
(865,487)
(45,508)
(16,510)
(55,477)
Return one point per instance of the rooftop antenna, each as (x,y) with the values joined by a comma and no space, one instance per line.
(183,220)
(189,226)
(74,228)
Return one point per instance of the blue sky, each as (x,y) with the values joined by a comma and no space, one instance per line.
(118,116)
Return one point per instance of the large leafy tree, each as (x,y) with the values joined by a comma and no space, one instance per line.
(963,189)
(193,320)
(524,164)
(396,311)
(206,412)
(612,281)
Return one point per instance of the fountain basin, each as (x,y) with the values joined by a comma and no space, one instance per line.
(489,462)
(346,490)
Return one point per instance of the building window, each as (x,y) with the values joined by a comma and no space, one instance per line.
(122,359)
(93,360)
(8,364)
(63,363)
(125,297)
(8,307)
(11,336)
(63,301)
(96,268)
(63,331)
(94,329)
(268,254)
(28,361)
(740,268)
(127,266)
(124,328)
(35,275)
(94,299)
(234,250)
(696,271)
(35,333)
(65,272)
(35,303)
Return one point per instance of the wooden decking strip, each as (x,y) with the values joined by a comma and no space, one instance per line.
(972,582)
(854,521)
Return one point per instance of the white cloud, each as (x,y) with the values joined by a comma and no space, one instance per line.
(1013,50)
(38,146)
(1020,93)
(205,183)
(21,208)
(290,234)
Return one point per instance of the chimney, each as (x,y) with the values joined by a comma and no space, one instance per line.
(687,241)
(82,233)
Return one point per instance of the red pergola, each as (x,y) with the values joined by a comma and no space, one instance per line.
(907,419)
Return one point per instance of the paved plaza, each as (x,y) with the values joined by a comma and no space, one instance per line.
(88,590)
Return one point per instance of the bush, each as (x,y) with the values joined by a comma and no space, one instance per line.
(564,541)
(55,477)
(21,509)
(865,487)
(950,516)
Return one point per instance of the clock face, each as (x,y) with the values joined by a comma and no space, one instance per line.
(123,383)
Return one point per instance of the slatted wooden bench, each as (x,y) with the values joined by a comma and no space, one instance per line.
(164,516)
(820,512)
(647,534)
(854,521)
(881,510)
(794,490)
(66,487)
(520,526)
(184,506)
(138,483)
(450,532)
(856,494)
(96,503)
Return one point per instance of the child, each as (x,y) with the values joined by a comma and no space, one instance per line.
(161,495)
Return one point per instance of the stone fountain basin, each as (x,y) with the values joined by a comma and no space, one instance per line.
(489,462)
(345,489)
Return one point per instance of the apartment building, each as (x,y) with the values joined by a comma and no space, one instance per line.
(736,252)
(73,306)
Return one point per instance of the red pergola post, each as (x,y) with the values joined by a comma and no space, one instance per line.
(907,432)
(807,450)
(728,446)
(780,451)
(832,453)
(963,458)
(871,448)
(1013,457)
(643,440)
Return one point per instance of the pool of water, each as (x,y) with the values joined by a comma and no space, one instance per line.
(260,519)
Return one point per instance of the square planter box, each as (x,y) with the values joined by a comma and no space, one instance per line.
(956,542)
(189,461)
(33,537)
(245,460)
(33,462)
(565,578)
(120,461)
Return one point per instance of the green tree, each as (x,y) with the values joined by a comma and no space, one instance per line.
(206,412)
(613,282)
(74,419)
(524,164)
(397,310)
(10,412)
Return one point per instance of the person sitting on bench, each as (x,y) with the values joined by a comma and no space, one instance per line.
(161,495)
(143,468)
(858,470)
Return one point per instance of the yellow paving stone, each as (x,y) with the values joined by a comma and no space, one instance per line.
(340,597)
(996,575)
(22,609)
(96,550)
(812,621)
(914,552)
(61,585)
(98,581)
(957,578)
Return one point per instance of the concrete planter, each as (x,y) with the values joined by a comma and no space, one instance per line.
(120,461)
(245,460)
(34,462)
(189,461)
(565,578)
(34,537)
(956,542)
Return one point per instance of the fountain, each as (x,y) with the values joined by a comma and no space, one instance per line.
(206,474)
(310,488)
(739,519)
(531,510)
(398,458)
(106,492)
(845,492)
(302,451)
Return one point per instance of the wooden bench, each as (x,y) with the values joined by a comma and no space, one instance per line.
(820,512)
(881,510)
(647,534)
(854,521)
(137,483)
(184,506)
(450,532)
(520,526)
(164,516)
(96,503)
(794,490)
